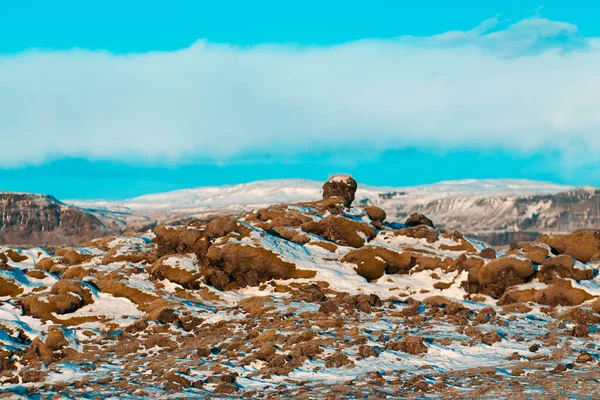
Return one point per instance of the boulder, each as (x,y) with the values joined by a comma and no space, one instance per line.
(498,275)
(375,213)
(418,232)
(417,219)
(236,264)
(582,246)
(341,230)
(558,293)
(562,266)
(488,253)
(183,270)
(184,240)
(342,187)
(372,262)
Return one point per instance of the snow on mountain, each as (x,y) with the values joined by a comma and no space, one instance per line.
(450,203)
(275,191)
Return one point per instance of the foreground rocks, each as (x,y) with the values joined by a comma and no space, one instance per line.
(294,300)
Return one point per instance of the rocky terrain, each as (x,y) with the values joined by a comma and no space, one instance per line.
(316,299)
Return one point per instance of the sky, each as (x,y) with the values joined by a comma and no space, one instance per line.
(118,99)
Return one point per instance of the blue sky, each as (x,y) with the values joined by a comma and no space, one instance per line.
(116,99)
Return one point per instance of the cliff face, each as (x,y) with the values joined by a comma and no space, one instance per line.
(31,219)
(503,219)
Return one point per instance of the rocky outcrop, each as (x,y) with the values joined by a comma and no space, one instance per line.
(582,246)
(31,219)
(498,275)
(342,187)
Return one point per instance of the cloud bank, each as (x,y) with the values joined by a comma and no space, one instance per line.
(528,87)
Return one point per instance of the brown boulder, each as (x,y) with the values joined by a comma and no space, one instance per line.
(535,257)
(290,234)
(411,345)
(562,266)
(498,275)
(341,230)
(278,216)
(8,287)
(559,293)
(245,265)
(375,213)
(221,226)
(42,306)
(55,339)
(372,262)
(341,187)
(178,269)
(582,246)
(45,264)
(417,219)
(66,286)
(488,253)
(182,240)
(73,257)
(418,232)
(115,283)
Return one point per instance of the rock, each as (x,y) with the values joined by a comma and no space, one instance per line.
(181,240)
(375,213)
(42,350)
(558,293)
(226,388)
(42,306)
(581,330)
(9,287)
(221,226)
(535,257)
(246,266)
(562,266)
(584,357)
(559,368)
(417,219)
(411,344)
(534,348)
(367,351)
(582,246)
(182,270)
(45,264)
(340,230)
(337,360)
(55,339)
(498,275)
(166,316)
(372,262)
(418,232)
(73,257)
(580,315)
(310,293)
(488,253)
(341,187)
(328,307)
(66,286)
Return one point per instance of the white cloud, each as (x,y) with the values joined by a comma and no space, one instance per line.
(531,86)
